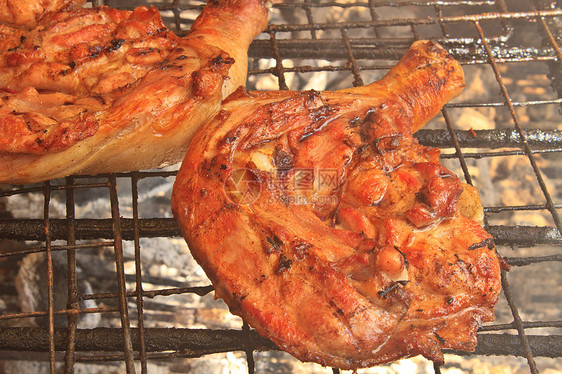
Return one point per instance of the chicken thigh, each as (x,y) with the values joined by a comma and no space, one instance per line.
(325,225)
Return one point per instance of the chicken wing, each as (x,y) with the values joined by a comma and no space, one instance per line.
(105,90)
(323,223)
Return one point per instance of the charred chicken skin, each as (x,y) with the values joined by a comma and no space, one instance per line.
(105,90)
(323,223)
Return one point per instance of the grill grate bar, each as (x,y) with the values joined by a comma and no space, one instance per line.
(415,32)
(38,249)
(249,350)
(308,12)
(457,146)
(518,323)
(40,188)
(555,66)
(436,368)
(357,81)
(198,342)
(420,21)
(503,153)
(523,261)
(138,273)
(199,290)
(50,279)
(551,38)
(549,345)
(526,325)
(72,286)
(442,25)
(176,11)
(391,50)
(120,271)
(491,139)
(106,309)
(374,17)
(167,227)
(517,208)
(278,70)
(501,104)
(387,3)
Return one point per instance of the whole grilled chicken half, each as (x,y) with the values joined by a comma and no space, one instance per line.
(100,90)
(324,224)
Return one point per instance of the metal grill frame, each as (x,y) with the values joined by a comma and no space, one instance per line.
(141,344)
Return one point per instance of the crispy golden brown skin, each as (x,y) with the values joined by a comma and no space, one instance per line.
(323,223)
(105,90)
(27,13)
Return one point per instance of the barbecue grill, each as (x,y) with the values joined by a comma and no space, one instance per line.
(91,244)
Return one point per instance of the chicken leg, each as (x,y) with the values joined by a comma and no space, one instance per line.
(323,223)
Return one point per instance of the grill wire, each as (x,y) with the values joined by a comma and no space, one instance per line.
(352,51)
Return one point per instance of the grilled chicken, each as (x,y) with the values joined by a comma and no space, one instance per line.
(324,224)
(26,13)
(105,90)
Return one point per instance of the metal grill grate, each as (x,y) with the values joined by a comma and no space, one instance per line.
(512,47)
